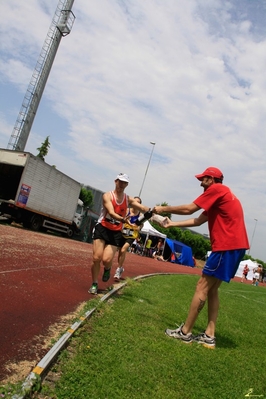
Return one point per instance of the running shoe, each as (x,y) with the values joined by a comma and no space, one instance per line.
(94,289)
(106,275)
(205,340)
(178,334)
(118,273)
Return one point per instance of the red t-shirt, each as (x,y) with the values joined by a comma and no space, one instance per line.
(225,218)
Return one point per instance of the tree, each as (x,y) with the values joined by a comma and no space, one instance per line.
(44,148)
(86,197)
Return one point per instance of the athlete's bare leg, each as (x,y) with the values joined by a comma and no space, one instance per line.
(207,287)
(108,255)
(122,254)
(98,248)
(104,253)
(213,308)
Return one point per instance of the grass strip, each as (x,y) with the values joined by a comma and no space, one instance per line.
(122,351)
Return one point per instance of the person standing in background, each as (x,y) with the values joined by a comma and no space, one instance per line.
(147,249)
(256,275)
(245,273)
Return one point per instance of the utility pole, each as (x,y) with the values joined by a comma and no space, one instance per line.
(256,221)
(153,145)
(61,26)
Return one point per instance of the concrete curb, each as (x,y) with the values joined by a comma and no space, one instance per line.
(36,375)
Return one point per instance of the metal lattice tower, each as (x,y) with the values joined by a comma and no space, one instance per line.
(61,26)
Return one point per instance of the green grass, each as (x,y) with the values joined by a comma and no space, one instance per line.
(122,351)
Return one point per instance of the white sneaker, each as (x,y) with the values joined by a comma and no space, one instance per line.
(178,333)
(94,289)
(205,340)
(118,273)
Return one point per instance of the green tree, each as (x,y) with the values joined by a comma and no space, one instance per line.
(87,197)
(44,148)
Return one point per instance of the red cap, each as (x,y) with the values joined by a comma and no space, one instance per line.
(211,171)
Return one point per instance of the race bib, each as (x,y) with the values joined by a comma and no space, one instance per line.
(130,231)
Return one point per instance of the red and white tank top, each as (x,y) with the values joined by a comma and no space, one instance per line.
(120,208)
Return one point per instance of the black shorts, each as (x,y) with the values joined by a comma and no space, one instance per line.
(128,240)
(111,237)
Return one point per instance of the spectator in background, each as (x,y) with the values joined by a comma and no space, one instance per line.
(147,249)
(159,247)
(245,273)
(256,275)
(138,248)
(158,257)
(260,271)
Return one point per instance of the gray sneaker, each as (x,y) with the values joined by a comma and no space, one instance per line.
(205,340)
(178,334)
(118,273)
(94,289)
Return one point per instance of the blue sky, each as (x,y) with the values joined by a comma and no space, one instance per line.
(187,75)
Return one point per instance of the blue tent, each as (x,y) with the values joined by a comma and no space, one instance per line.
(178,253)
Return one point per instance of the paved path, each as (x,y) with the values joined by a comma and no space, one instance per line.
(44,277)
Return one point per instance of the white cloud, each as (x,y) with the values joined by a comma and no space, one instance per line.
(188,75)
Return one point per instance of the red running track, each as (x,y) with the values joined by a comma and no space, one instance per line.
(44,277)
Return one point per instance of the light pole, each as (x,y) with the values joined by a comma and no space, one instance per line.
(153,145)
(256,220)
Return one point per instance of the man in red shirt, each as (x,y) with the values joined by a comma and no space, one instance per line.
(224,214)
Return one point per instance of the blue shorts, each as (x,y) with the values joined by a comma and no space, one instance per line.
(223,264)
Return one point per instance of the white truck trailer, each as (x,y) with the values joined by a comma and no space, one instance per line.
(37,194)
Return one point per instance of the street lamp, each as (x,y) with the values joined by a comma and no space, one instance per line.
(256,220)
(153,145)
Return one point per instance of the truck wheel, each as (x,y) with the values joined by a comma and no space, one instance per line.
(70,233)
(36,222)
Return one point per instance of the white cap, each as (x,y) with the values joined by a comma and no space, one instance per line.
(122,177)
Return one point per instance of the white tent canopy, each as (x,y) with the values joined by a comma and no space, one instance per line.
(149,230)
(251,266)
